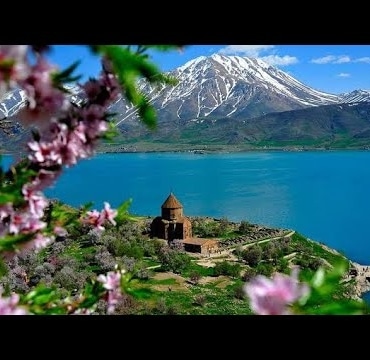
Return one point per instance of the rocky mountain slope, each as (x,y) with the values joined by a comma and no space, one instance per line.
(226,86)
(232,100)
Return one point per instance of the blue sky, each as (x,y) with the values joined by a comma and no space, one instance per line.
(331,68)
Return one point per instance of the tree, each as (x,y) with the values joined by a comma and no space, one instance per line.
(62,134)
(244,227)
(252,255)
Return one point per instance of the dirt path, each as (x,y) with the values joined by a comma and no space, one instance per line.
(211,259)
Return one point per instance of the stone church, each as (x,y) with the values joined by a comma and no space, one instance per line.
(172,224)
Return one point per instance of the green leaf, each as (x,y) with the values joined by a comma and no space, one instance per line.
(122,211)
(165,47)
(111,133)
(3,268)
(44,298)
(12,242)
(65,76)
(318,278)
(92,292)
(55,310)
(87,206)
(130,66)
(147,113)
(339,307)
(6,198)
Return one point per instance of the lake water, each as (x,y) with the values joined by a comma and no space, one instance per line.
(323,195)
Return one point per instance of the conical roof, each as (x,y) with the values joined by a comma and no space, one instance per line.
(171,203)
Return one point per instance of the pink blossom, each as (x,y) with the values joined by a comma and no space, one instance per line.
(273,296)
(97,219)
(9,305)
(107,65)
(113,299)
(105,90)
(111,281)
(111,83)
(94,218)
(59,231)
(94,122)
(82,311)
(6,210)
(79,132)
(108,213)
(45,153)
(24,223)
(37,243)
(36,200)
(92,112)
(44,99)
(64,146)
(92,89)
(44,179)
(15,52)
(13,66)
(37,117)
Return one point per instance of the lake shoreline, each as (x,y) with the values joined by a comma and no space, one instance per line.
(226,151)
(209,151)
(362,284)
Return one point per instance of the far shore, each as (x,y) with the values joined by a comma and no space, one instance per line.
(204,151)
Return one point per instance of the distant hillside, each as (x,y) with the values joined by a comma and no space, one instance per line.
(229,101)
(333,126)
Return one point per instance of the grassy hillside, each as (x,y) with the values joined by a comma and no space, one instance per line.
(167,280)
(331,126)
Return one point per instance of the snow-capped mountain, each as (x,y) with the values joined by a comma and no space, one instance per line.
(219,88)
(16,99)
(12,103)
(216,86)
(356,96)
(224,86)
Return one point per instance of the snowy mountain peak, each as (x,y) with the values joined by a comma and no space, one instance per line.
(191,63)
(217,86)
(227,86)
(356,96)
(229,71)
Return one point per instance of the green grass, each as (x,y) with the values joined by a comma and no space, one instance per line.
(169,281)
(150,262)
(216,301)
(314,248)
(143,293)
(217,297)
(230,234)
(201,270)
(76,251)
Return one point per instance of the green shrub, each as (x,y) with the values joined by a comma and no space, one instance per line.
(227,269)
(252,255)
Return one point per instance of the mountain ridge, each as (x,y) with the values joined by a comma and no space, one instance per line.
(218,97)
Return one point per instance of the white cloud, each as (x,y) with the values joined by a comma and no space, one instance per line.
(256,51)
(334,59)
(246,50)
(324,60)
(344,75)
(342,59)
(365,59)
(277,60)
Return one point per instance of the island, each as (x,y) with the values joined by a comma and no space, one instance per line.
(179,264)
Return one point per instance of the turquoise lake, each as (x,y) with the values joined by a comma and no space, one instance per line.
(323,195)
